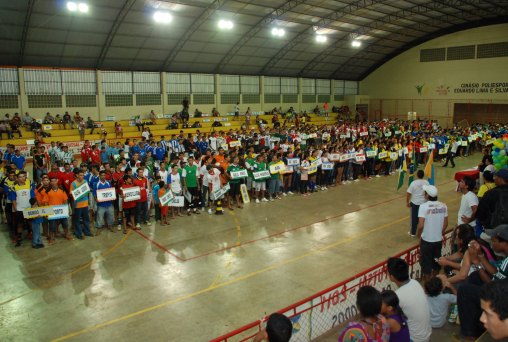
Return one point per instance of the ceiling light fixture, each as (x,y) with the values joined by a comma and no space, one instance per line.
(278,32)
(225,24)
(162,17)
(320,38)
(77,7)
(356,43)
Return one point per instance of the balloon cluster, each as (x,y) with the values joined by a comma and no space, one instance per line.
(500,153)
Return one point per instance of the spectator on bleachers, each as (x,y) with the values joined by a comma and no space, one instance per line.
(81,129)
(494,302)
(77,118)
(48,119)
(27,120)
(197,113)
(66,119)
(412,300)
(152,117)
(372,326)
(90,124)
(278,329)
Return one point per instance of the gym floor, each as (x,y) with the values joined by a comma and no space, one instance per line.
(206,275)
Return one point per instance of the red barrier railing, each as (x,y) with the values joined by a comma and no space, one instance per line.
(321,312)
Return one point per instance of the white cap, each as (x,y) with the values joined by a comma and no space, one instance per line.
(431,190)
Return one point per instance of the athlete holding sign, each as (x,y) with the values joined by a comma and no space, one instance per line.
(104,203)
(128,207)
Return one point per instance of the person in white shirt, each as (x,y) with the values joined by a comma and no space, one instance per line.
(414,198)
(433,221)
(412,300)
(468,203)
(454,145)
(211,180)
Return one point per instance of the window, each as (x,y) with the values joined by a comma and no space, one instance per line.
(323,87)
(289,85)
(272,86)
(249,85)
(79,82)
(117,82)
(178,84)
(202,84)
(42,82)
(309,86)
(351,88)
(9,82)
(146,82)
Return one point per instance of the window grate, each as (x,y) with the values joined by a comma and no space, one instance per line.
(272,98)
(44,101)
(148,99)
(308,98)
(119,100)
(73,101)
(206,99)
(455,53)
(8,101)
(251,98)
(492,50)
(290,98)
(432,55)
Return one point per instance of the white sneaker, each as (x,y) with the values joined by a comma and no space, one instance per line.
(271,199)
(357,180)
(264,200)
(210,211)
(325,188)
(138,225)
(278,197)
(284,194)
(257,200)
(291,192)
(378,176)
(119,227)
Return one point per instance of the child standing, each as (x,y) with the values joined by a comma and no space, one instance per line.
(439,302)
(164,188)
(399,332)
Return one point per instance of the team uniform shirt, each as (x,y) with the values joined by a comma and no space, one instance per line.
(191,174)
(212,180)
(259,167)
(175,180)
(416,191)
(143,184)
(234,168)
(98,186)
(22,195)
(155,192)
(163,174)
(80,202)
(19,161)
(130,204)
(467,201)
(434,213)
(57,197)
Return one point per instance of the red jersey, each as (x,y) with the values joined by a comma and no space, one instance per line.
(85,154)
(67,179)
(56,175)
(131,204)
(143,184)
(95,155)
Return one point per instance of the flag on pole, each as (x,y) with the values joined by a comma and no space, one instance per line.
(402,173)
(413,167)
(429,168)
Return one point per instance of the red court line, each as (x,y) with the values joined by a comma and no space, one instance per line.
(158,245)
(271,235)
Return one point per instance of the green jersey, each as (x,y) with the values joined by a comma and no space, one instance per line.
(259,167)
(190,173)
(233,168)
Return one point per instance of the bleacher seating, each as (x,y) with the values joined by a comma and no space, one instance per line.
(58,133)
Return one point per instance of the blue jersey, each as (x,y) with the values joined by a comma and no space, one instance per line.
(18,161)
(99,186)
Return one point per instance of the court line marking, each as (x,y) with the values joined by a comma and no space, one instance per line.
(215,285)
(57,280)
(269,236)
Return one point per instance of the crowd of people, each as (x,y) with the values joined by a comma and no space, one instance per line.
(115,187)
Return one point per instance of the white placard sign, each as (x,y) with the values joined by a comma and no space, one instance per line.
(47,127)
(166,198)
(259,175)
(30,213)
(59,212)
(317,162)
(288,169)
(334,157)
(490,141)
(423,149)
(106,195)
(342,136)
(393,155)
(239,174)
(360,157)
(235,143)
(327,166)
(220,192)
(178,201)
(383,155)
(371,154)
(362,134)
(405,150)
(344,157)
(80,191)
(432,146)
(293,161)
(131,194)
(388,134)
(442,151)
(464,143)
(276,168)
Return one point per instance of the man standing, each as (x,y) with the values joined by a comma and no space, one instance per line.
(142,204)
(57,196)
(414,198)
(18,160)
(433,221)
(468,202)
(190,174)
(81,215)
(105,207)
(493,207)
(21,194)
(412,300)
(452,151)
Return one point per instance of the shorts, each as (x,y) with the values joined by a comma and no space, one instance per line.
(129,212)
(234,189)
(260,186)
(428,252)
(164,210)
(53,224)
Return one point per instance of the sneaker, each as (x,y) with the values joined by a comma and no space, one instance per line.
(257,200)
(291,192)
(264,200)
(357,180)
(138,225)
(210,211)
(119,227)
(271,199)
(278,197)
(284,194)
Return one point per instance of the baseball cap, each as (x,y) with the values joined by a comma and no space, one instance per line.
(431,190)
(501,231)
(502,174)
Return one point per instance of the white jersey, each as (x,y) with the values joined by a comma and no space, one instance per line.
(434,213)
(468,201)
(176,183)
(213,179)
(415,189)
